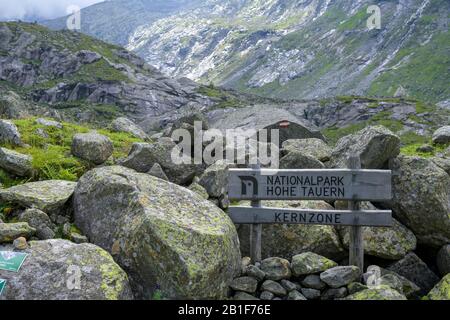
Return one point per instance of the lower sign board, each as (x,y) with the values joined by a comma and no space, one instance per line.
(2,285)
(11,261)
(252,215)
(306,184)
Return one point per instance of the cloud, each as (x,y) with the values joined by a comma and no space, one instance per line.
(38,9)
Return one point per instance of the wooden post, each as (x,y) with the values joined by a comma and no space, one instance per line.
(356,235)
(255,231)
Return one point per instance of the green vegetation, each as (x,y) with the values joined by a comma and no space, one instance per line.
(223,98)
(52,158)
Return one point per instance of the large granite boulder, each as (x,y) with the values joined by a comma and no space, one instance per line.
(92,147)
(168,239)
(299,160)
(50,196)
(421,199)
(9,134)
(126,125)
(313,147)
(62,270)
(215,178)
(281,240)
(16,163)
(442,135)
(375,145)
(415,270)
(143,156)
(388,243)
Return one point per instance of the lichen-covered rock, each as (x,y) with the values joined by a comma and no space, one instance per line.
(421,199)
(9,134)
(243,296)
(310,294)
(49,196)
(414,269)
(166,237)
(215,178)
(276,268)
(388,243)
(443,163)
(310,263)
(375,145)
(299,160)
(280,240)
(313,147)
(244,284)
(340,276)
(11,231)
(442,135)
(409,288)
(377,293)
(51,270)
(442,290)
(355,287)
(443,260)
(289,286)
(40,221)
(255,272)
(334,293)
(16,163)
(92,147)
(143,156)
(126,125)
(295,295)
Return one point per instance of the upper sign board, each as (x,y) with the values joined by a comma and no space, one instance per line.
(308,184)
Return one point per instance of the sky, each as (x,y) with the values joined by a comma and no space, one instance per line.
(38,9)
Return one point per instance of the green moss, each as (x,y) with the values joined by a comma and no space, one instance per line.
(52,158)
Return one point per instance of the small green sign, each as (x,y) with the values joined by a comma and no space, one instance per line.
(2,285)
(11,261)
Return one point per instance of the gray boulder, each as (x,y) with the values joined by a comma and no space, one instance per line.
(313,147)
(40,221)
(128,126)
(49,123)
(50,273)
(245,284)
(340,276)
(334,293)
(442,135)
(388,243)
(166,237)
(421,199)
(49,196)
(443,163)
(313,281)
(255,272)
(310,263)
(158,172)
(299,160)
(16,163)
(288,240)
(415,270)
(276,268)
(92,147)
(9,134)
(11,231)
(243,296)
(295,295)
(274,287)
(443,260)
(266,295)
(311,294)
(375,145)
(143,156)
(215,178)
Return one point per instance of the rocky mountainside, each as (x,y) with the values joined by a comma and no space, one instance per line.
(297,49)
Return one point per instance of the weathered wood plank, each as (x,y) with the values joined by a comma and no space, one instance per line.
(339,184)
(251,215)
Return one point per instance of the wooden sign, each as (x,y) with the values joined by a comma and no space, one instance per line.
(250,215)
(340,184)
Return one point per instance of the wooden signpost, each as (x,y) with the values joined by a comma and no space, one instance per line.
(353,185)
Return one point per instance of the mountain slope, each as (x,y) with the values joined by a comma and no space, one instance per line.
(304,49)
